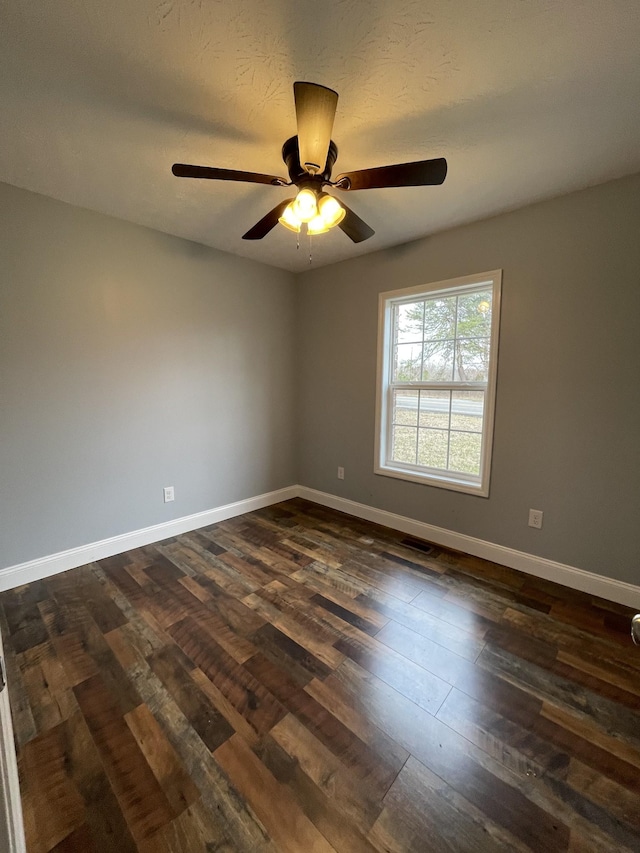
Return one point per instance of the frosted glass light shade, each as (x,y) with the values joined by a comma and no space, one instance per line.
(289,219)
(331,211)
(317,226)
(305,205)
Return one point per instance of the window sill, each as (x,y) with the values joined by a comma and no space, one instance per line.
(449,482)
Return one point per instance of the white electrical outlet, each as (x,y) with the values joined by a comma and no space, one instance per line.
(535,518)
(169,494)
(341,473)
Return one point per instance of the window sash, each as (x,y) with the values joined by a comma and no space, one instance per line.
(448,429)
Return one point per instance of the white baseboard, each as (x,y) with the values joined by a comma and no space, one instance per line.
(45,566)
(592,584)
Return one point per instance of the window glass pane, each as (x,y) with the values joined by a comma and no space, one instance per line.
(467,410)
(434,408)
(472,359)
(410,318)
(439,318)
(432,448)
(405,408)
(403,445)
(464,452)
(474,315)
(408,362)
(437,363)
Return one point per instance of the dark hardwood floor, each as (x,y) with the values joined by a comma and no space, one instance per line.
(299,680)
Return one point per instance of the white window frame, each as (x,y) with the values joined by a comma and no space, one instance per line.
(471,484)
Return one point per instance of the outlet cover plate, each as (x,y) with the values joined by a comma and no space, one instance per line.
(535,518)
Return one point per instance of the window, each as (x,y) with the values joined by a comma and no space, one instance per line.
(437,349)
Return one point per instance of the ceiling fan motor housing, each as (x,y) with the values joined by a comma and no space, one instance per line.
(298,175)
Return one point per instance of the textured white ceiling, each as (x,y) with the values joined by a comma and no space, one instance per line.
(526,99)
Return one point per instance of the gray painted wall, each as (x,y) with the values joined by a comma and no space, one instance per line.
(129,361)
(567,430)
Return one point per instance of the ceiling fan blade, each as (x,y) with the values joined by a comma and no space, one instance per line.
(419,174)
(183,170)
(262,228)
(315,110)
(354,227)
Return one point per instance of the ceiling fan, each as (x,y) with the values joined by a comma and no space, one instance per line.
(310,157)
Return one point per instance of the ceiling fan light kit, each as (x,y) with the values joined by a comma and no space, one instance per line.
(320,212)
(310,157)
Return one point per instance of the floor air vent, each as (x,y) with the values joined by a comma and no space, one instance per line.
(418,544)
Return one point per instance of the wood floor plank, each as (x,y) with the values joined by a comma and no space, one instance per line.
(220,705)
(464,638)
(347,614)
(274,805)
(23,618)
(208,723)
(319,643)
(354,798)
(296,678)
(337,703)
(78,665)
(24,725)
(325,727)
(104,822)
(204,562)
(324,810)
(237,825)
(609,807)
(333,579)
(193,831)
(569,638)
(300,663)
(247,695)
(77,842)
(349,600)
(103,609)
(446,754)
(555,690)
(143,802)
(588,729)
(50,696)
(53,806)
(162,759)
(296,601)
(433,657)
(618,675)
(419,806)
(207,616)
(415,683)
(92,654)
